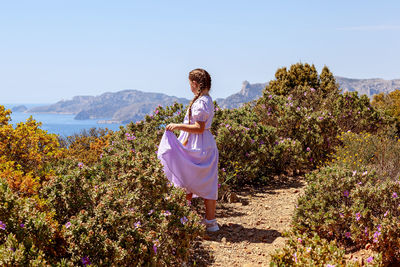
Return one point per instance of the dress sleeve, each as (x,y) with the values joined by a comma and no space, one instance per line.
(200,110)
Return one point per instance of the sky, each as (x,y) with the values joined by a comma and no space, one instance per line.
(54,50)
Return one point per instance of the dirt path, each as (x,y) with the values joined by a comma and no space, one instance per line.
(251,227)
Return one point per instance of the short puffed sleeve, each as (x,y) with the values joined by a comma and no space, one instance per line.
(200,110)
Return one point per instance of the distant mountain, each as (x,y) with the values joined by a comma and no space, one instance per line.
(368,87)
(123,106)
(20,108)
(248,93)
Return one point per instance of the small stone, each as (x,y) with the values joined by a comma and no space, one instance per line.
(233,198)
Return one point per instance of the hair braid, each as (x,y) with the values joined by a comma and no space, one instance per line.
(193,100)
(203,79)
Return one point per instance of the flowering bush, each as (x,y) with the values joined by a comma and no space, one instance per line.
(250,152)
(380,152)
(311,250)
(122,211)
(87,146)
(354,201)
(356,204)
(389,104)
(28,235)
(308,108)
(26,154)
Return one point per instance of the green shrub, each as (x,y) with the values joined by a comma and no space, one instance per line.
(355,208)
(28,236)
(311,250)
(379,152)
(122,211)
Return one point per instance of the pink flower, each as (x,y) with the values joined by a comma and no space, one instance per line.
(156,244)
(299,240)
(394,195)
(68,224)
(348,234)
(346,193)
(184,220)
(80,165)
(166,213)
(137,224)
(308,149)
(370,259)
(376,236)
(86,261)
(358,216)
(2,226)
(295,257)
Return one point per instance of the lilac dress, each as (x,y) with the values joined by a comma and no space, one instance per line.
(193,167)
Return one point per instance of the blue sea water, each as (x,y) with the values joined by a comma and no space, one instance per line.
(61,124)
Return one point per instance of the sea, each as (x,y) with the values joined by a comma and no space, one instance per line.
(61,124)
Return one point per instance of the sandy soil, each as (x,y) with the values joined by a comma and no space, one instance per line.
(251,226)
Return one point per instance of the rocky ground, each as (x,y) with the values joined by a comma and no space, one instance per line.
(251,226)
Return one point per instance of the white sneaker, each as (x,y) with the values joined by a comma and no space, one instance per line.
(211,225)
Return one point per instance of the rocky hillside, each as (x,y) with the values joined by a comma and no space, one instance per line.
(368,87)
(123,106)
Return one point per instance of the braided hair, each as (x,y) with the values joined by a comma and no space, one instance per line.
(203,79)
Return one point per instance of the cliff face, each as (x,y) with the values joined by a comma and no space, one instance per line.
(248,93)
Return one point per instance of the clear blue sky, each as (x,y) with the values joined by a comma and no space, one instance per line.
(53,50)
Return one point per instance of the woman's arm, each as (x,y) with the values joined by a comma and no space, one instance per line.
(196,128)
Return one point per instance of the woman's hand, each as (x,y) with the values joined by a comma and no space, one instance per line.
(172,127)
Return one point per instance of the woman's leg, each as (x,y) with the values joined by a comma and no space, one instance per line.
(210,208)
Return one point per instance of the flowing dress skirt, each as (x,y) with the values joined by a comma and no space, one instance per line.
(193,167)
